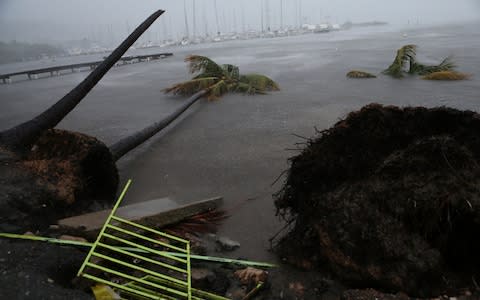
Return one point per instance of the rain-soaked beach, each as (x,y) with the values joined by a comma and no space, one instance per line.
(237,146)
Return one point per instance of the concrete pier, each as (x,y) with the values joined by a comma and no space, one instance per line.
(56,70)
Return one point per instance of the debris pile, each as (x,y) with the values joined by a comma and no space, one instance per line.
(388,198)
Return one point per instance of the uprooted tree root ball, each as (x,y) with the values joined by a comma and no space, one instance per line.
(388,198)
(63,174)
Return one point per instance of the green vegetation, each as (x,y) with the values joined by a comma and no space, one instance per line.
(406,62)
(360,74)
(218,80)
(406,54)
(445,66)
(446,75)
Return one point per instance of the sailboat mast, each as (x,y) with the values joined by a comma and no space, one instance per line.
(243,19)
(164,27)
(300,12)
(194,19)
(267,12)
(216,16)
(235,21)
(205,20)
(186,18)
(261,14)
(281,14)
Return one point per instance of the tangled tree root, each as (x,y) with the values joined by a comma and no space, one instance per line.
(64,173)
(388,198)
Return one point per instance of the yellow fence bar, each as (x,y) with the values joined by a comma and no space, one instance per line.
(140,269)
(156,262)
(160,253)
(142,281)
(140,288)
(169,236)
(124,191)
(189,278)
(196,294)
(141,292)
(145,238)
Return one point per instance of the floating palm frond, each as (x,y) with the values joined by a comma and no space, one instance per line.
(231,71)
(218,89)
(246,89)
(406,54)
(360,74)
(218,80)
(446,75)
(259,82)
(446,65)
(204,65)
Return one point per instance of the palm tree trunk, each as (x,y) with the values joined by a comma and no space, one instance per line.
(129,143)
(21,137)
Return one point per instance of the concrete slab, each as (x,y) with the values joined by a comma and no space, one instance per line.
(154,213)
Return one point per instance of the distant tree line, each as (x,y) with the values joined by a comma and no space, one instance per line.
(17,51)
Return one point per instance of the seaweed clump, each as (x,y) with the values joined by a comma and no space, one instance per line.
(360,74)
(388,198)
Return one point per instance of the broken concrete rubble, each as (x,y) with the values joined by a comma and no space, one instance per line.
(226,244)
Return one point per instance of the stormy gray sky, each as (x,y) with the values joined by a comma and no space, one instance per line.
(110,20)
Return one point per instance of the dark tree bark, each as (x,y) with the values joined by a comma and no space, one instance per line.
(129,143)
(20,138)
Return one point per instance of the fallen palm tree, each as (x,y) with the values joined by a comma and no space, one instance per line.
(48,173)
(216,80)
(405,62)
(405,55)
(447,65)
(388,198)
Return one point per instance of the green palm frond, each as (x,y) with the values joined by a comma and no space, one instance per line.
(360,74)
(446,75)
(204,65)
(231,71)
(218,90)
(190,87)
(446,65)
(245,88)
(260,83)
(218,80)
(406,54)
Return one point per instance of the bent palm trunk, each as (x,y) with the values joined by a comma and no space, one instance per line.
(129,143)
(20,138)
(47,173)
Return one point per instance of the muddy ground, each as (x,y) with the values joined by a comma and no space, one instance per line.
(237,147)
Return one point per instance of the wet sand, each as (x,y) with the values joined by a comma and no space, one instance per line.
(237,146)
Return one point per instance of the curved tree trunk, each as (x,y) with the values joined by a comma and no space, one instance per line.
(129,143)
(21,137)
